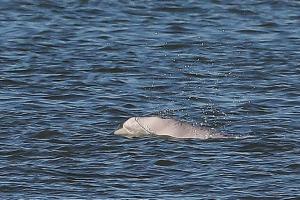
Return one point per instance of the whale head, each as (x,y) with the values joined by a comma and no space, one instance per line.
(131,128)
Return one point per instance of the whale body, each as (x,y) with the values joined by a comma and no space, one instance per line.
(142,126)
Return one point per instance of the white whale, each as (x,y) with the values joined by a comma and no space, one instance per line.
(141,126)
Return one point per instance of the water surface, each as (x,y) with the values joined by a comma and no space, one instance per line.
(72,71)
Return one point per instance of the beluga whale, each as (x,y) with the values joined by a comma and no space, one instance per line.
(151,126)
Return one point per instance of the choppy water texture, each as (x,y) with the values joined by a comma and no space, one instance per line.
(71,71)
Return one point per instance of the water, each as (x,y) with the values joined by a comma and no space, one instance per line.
(72,71)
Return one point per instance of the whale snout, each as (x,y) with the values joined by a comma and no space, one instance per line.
(124,132)
(121,131)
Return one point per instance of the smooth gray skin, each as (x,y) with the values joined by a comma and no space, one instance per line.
(141,126)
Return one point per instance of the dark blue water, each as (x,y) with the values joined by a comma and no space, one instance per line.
(72,71)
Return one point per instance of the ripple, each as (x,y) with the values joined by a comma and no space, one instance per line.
(242,12)
(47,134)
(269,25)
(267,147)
(111,70)
(295,166)
(165,163)
(65,97)
(255,109)
(174,46)
(176,9)
(251,31)
(12,83)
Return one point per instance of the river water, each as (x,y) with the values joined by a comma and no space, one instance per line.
(71,71)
